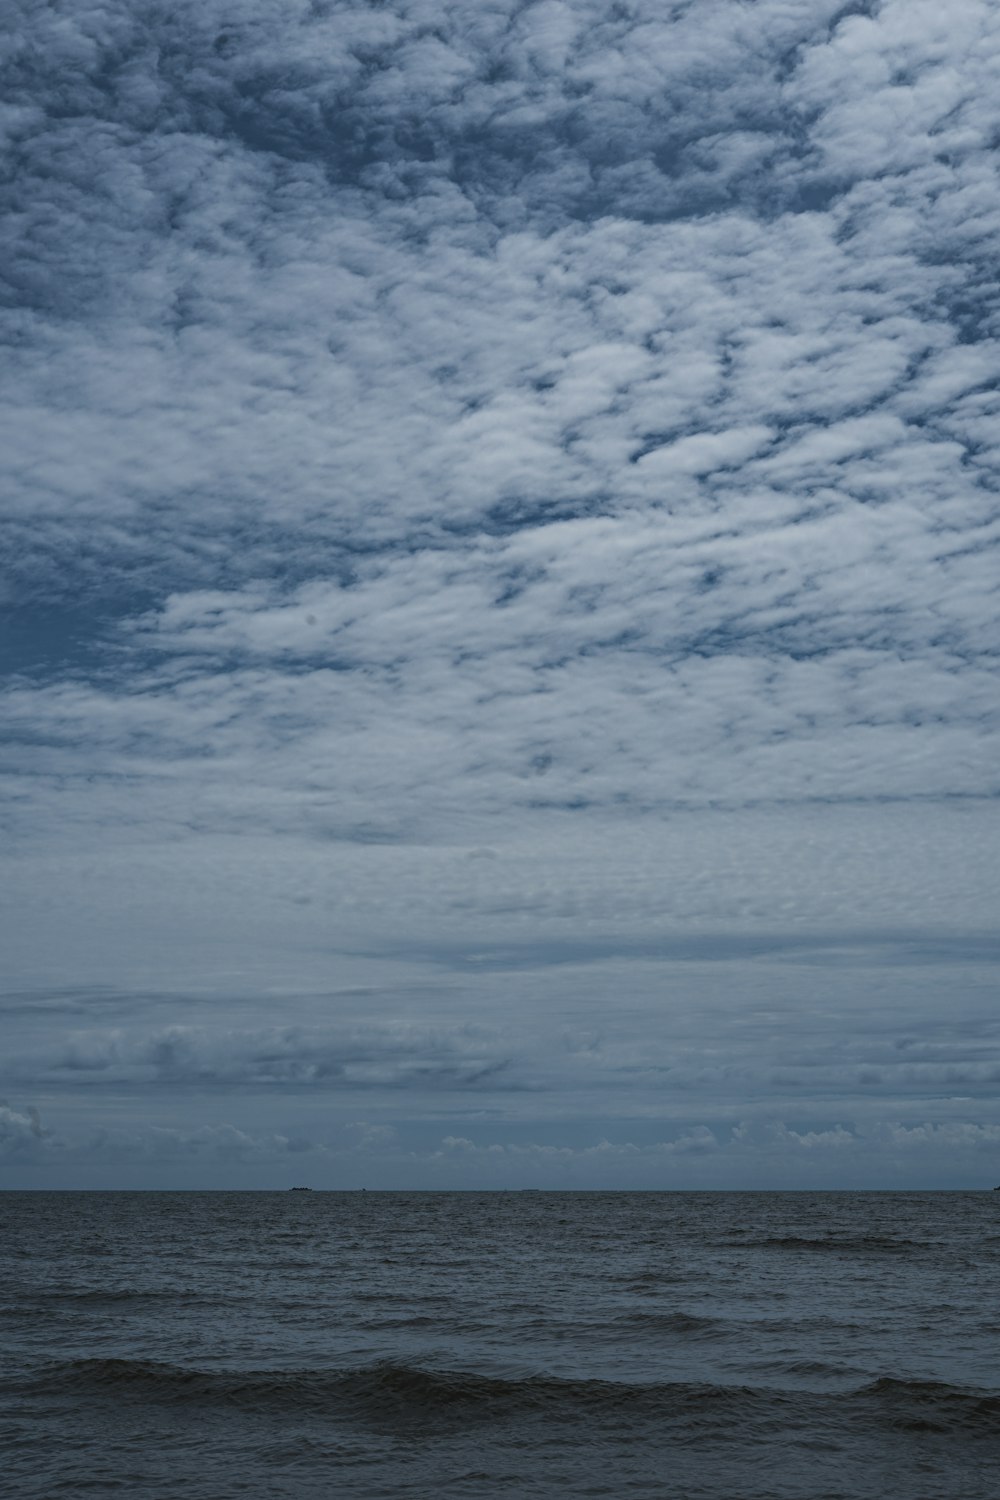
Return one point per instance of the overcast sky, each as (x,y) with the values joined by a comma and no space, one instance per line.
(501,593)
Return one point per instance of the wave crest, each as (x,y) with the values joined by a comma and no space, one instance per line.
(400,1393)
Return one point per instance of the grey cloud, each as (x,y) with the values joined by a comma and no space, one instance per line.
(367,1136)
(223,1143)
(697,1139)
(382,1157)
(813,1140)
(953,1135)
(654,1039)
(387,1056)
(20,1130)
(22,1136)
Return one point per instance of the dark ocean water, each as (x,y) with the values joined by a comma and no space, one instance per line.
(725,1346)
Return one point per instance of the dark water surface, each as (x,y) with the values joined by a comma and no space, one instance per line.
(725,1346)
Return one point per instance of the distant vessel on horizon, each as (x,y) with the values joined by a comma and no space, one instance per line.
(300,1190)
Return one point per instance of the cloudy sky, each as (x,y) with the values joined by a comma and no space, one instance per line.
(500,593)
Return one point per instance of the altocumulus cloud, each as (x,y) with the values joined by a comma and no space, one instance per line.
(500,538)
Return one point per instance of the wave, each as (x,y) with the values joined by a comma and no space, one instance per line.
(386,1389)
(685,1325)
(930,1405)
(400,1394)
(179,1296)
(852,1244)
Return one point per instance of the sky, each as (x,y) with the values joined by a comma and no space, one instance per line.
(500,574)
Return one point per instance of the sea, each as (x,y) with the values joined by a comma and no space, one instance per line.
(704,1346)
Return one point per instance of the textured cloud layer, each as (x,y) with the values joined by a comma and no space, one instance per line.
(501,478)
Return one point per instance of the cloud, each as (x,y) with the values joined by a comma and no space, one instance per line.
(834,1139)
(877,1152)
(372,1137)
(489,479)
(20,1130)
(959,1135)
(217,1142)
(22,1137)
(354,1057)
(697,1139)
